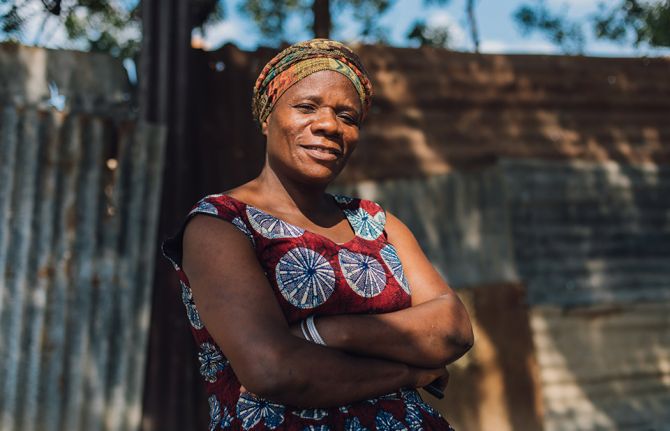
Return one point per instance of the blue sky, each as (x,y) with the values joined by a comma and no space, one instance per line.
(498,31)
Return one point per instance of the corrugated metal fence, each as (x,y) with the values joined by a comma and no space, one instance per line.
(79,197)
(591,244)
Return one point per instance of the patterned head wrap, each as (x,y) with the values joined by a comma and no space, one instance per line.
(302,59)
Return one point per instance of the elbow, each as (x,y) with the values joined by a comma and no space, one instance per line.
(447,348)
(453,347)
(270,376)
(458,339)
(463,342)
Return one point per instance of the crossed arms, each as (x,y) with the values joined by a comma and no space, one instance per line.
(366,356)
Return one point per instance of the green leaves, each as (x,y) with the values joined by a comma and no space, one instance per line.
(425,35)
(96,25)
(271,16)
(558,28)
(12,21)
(633,22)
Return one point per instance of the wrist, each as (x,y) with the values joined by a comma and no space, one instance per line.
(334,330)
(409,376)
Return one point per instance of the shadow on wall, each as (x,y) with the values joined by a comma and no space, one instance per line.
(435,110)
(495,385)
(582,235)
(592,242)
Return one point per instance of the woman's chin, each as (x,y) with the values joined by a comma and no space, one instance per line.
(321,174)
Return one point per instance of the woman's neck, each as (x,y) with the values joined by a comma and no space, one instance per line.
(285,195)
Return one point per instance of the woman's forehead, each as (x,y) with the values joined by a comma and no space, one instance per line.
(325,83)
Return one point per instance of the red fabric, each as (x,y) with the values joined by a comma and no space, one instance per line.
(310,275)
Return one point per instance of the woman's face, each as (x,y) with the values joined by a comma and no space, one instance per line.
(313,128)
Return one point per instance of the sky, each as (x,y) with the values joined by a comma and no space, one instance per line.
(498,30)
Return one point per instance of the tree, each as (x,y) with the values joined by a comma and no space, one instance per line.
(438,35)
(636,21)
(472,23)
(271,16)
(113,27)
(632,22)
(425,35)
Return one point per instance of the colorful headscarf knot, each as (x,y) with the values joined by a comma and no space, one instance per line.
(301,60)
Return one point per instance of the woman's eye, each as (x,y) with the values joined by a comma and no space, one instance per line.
(305,107)
(349,119)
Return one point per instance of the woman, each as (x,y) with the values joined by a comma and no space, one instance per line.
(304,317)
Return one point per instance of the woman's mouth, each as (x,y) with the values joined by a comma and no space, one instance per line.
(321,152)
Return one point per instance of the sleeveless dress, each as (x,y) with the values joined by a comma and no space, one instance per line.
(310,275)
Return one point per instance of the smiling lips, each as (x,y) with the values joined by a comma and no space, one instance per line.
(322,152)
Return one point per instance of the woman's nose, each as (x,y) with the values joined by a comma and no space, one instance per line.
(326,123)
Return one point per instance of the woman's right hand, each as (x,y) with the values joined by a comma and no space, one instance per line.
(438,376)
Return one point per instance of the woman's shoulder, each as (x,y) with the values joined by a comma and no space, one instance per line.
(220,205)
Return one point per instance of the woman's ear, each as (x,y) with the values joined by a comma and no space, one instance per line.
(264,126)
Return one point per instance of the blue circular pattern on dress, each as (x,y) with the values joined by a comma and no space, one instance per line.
(211,360)
(313,414)
(384,421)
(226,419)
(365,225)
(341,199)
(305,278)
(353,424)
(214,412)
(390,257)
(205,207)
(191,311)
(270,226)
(239,224)
(413,417)
(316,428)
(251,410)
(364,274)
(411,396)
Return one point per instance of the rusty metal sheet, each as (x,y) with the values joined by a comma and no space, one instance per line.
(604,367)
(78,218)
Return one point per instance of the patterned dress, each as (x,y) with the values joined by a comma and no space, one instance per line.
(310,275)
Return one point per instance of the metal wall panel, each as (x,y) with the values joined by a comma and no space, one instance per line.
(604,367)
(591,243)
(460,219)
(79,198)
(576,233)
(590,233)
